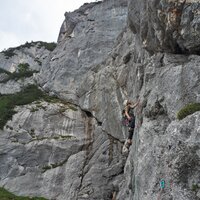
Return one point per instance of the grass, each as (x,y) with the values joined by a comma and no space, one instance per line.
(188,110)
(26,96)
(6,195)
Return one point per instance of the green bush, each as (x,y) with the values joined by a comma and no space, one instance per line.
(10,52)
(188,110)
(195,187)
(3,71)
(23,67)
(23,72)
(54,165)
(49,46)
(8,102)
(5,195)
(28,95)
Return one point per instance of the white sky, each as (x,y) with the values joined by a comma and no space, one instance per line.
(36,20)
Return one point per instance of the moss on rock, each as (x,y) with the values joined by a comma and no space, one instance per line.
(188,110)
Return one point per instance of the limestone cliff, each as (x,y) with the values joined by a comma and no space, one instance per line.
(109,51)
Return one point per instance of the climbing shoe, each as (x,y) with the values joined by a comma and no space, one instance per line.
(126,146)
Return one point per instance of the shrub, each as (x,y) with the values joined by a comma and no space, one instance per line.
(8,102)
(23,72)
(3,71)
(54,165)
(49,46)
(195,187)
(6,110)
(23,67)
(5,195)
(188,110)
(10,52)
(28,95)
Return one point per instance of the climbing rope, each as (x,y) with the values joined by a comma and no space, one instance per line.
(139,115)
(136,144)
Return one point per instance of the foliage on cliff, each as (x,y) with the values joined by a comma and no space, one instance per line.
(11,51)
(23,71)
(188,110)
(26,96)
(5,195)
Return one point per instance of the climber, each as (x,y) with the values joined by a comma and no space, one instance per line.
(129,113)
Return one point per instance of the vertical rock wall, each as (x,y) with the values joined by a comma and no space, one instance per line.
(75,150)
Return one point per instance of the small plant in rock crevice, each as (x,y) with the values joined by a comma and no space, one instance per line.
(195,187)
(188,110)
(54,165)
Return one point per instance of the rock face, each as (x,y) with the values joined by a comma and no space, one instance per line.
(162,151)
(58,148)
(73,150)
(166,25)
(33,54)
(87,33)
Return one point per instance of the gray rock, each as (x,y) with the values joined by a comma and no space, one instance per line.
(171,155)
(12,86)
(59,149)
(95,29)
(166,26)
(74,150)
(33,55)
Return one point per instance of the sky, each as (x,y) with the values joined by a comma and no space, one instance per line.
(24,21)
